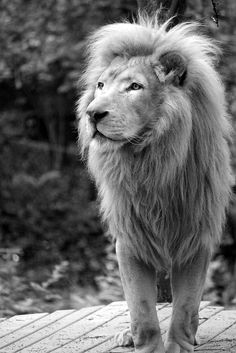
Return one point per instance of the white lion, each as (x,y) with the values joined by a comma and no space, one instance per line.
(154,123)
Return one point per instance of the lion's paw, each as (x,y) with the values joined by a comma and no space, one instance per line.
(124,339)
(173,347)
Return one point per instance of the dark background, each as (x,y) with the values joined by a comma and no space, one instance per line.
(53,250)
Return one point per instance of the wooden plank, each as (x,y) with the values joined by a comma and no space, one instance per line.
(225,345)
(56,337)
(17,341)
(92,330)
(119,350)
(166,312)
(233,349)
(104,333)
(108,345)
(214,351)
(122,323)
(17,322)
(227,338)
(208,312)
(14,335)
(204,304)
(88,344)
(204,313)
(215,326)
(101,339)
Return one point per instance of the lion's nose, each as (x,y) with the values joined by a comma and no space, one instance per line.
(96,116)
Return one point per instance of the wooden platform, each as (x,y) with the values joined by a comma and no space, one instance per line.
(92,330)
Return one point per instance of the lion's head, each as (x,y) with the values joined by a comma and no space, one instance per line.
(127,101)
(153,119)
(129,96)
(123,104)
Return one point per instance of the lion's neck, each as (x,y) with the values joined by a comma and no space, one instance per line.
(127,168)
(135,196)
(127,180)
(127,171)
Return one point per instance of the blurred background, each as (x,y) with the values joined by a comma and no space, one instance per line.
(54,253)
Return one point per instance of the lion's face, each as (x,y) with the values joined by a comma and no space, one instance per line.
(125,102)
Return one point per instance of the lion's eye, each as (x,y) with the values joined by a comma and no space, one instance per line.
(100,85)
(135,86)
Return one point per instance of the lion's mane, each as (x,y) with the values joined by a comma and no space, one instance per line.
(166,198)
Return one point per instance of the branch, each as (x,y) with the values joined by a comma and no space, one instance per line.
(216,17)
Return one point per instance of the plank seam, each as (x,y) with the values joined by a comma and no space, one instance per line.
(61,328)
(212,315)
(212,338)
(23,326)
(85,333)
(110,337)
(42,327)
(46,325)
(169,305)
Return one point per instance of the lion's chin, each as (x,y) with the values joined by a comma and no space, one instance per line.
(100,137)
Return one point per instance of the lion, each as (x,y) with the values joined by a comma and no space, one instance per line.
(154,129)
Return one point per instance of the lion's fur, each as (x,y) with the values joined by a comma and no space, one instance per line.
(166,197)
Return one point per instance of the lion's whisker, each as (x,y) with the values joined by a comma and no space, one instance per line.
(134,140)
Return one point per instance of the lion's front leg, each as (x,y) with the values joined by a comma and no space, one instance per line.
(187,288)
(139,283)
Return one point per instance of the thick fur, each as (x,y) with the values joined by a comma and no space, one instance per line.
(166,195)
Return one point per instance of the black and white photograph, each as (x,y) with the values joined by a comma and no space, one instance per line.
(117,176)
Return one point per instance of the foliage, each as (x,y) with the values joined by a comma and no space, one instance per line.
(48,209)
(42,45)
(50,214)
(42,52)
(22,293)
(52,223)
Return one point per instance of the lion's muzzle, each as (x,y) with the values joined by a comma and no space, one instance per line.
(96,115)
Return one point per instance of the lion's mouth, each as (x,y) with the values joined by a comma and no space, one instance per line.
(100,137)
(98,134)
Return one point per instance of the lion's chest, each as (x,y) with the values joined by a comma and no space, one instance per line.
(137,209)
(134,214)
(129,196)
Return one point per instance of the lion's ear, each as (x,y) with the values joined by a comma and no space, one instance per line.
(175,68)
